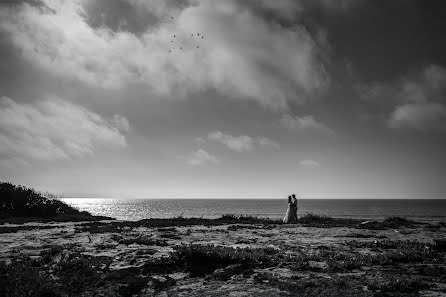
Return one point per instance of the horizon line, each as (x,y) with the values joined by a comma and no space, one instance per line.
(258,198)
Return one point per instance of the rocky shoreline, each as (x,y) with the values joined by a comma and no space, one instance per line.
(230,256)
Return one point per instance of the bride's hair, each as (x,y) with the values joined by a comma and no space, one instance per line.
(289,199)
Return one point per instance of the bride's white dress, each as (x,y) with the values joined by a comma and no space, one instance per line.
(291,213)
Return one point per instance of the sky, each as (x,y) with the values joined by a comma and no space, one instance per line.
(224,98)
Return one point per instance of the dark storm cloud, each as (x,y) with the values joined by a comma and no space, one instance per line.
(414,101)
(134,16)
(118,15)
(384,39)
(20,2)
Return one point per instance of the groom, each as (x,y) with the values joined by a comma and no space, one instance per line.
(295,219)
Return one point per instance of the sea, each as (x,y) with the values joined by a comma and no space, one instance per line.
(422,210)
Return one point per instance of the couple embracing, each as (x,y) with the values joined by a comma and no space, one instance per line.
(291,213)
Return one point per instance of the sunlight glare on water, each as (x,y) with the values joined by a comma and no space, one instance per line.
(136,209)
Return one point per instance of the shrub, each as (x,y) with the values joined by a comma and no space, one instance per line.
(321,221)
(200,260)
(388,223)
(19,201)
(400,251)
(22,279)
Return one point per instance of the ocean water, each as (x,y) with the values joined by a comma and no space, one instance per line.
(136,209)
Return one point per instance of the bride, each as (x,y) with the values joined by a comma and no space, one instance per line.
(291,213)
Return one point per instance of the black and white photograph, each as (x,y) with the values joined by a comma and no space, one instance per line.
(187,148)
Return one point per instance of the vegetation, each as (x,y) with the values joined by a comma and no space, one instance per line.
(101,227)
(60,271)
(313,220)
(201,260)
(23,279)
(321,221)
(240,222)
(20,204)
(365,266)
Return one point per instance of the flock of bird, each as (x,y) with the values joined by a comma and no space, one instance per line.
(198,36)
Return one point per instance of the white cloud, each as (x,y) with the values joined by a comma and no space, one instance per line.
(243,143)
(201,157)
(430,116)
(54,129)
(268,143)
(121,123)
(200,140)
(310,163)
(305,124)
(243,55)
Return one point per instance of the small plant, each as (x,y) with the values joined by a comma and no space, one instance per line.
(142,240)
(407,285)
(322,221)
(23,279)
(204,259)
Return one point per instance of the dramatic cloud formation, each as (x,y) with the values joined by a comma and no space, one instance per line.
(242,143)
(416,101)
(201,157)
(240,53)
(305,124)
(310,163)
(54,129)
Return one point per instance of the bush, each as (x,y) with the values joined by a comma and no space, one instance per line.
(404,285)
(19,201)
(321,221)
(400,251)
(245,219)
(205,259)
(22,279)
(388,223)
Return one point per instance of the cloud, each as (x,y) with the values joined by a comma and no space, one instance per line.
(310,163)
(12,163)
(200,140)
(243,143)
(54,129)
(243,55)
(121,123)
(201,157)
(305,124)
(268,143)
(414,101)
(430,116)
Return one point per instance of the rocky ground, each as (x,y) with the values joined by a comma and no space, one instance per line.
(318,257)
